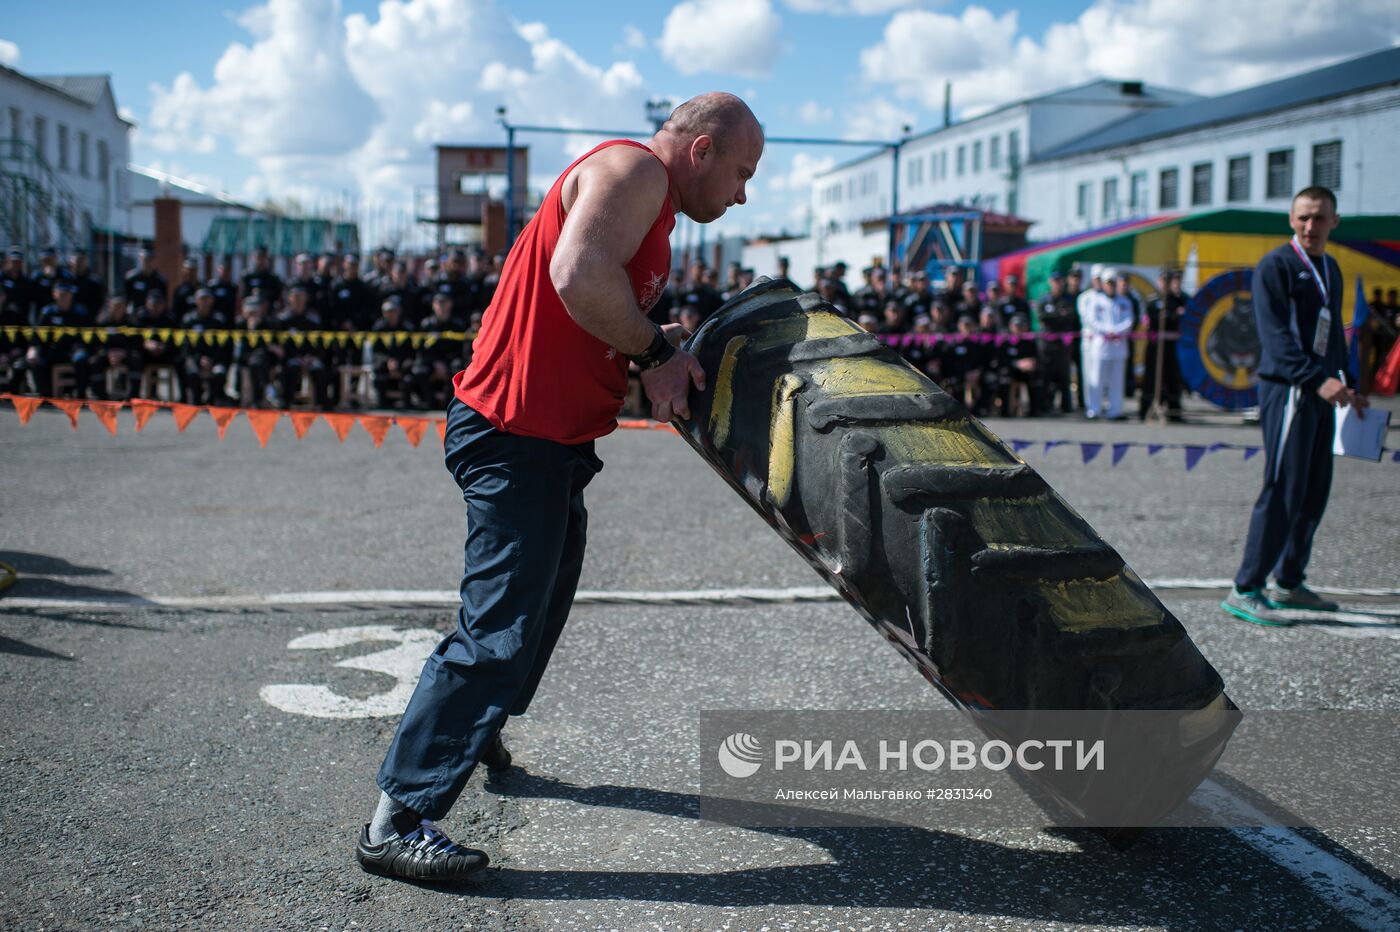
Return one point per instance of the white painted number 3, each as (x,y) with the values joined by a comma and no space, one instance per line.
(403,662)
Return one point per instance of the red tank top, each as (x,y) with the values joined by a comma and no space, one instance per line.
(534,371)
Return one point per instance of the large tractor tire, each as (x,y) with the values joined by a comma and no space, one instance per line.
(958,553)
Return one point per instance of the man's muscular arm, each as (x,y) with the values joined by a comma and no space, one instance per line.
(612,200)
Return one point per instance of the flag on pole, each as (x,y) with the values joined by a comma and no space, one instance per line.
(1359,313)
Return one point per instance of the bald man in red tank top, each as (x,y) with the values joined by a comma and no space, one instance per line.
(547,377)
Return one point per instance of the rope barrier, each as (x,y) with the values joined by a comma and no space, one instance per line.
(179,336)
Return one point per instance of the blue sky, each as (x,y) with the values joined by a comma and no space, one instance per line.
(338,103)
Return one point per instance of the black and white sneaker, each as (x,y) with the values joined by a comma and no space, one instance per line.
(422,854)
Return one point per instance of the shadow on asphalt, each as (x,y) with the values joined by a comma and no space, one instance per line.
(14,646)
(41,564)
(888,866)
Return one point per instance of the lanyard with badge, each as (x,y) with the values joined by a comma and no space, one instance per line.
(1324,287)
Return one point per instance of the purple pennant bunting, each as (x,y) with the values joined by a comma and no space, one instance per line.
(1089,451)
(1395,458)
(1052,444)
(1217,446)
(1193,456)
(1119,451)
(1249,451)
(1154,448)
(1018,445)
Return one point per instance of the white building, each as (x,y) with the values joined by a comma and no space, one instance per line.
(1338,126)
(977,162)
(63,156)
(199,206)
(1088,156)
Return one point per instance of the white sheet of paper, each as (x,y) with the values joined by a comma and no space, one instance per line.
(1360,437)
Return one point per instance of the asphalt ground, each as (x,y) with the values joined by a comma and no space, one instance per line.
(152,782)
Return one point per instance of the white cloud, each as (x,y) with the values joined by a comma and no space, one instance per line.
(322,103)
(9,53)
(877,119)
(850,7)
(737,37)
(1166,42)
(812,112)
(633,38)
(801,170)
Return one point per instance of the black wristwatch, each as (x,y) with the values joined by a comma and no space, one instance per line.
(659,352)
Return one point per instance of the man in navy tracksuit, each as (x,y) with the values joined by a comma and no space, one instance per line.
(1302,379)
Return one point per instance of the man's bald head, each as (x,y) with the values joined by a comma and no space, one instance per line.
(721,116)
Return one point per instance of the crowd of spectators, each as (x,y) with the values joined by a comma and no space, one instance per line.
(265,361)
(985,345)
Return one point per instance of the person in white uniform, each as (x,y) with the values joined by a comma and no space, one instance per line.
(1107,319)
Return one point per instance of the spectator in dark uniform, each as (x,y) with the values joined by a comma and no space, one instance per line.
(399,284)
(1163,317)
(305,360)
(918,302)
(45,354)
(91,293)
(870,298)
(783,266)
(970,304)
(352,305)
(1013,302)
(50,273)
(225,292)
(380,269)
(954,277)
(829,293)
(327,271)
(158,349)
(922,354)
(1018,369)
(143,279)
(183,301)
(965,364)
(1074,287)
(1059,320)
(837,274)
(466,293)
(436,364)
(307,279)
(895,318)
(204,365)
(261,279)
(254,362)
(392,360)
(699,293)
(121,351)
(18,296)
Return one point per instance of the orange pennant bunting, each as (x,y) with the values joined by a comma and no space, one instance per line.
(222,417)
(106,412)
(70,407)
(302,421)
(263,423)
(184,414)
(377,427)
(143,409)
(441,424)
(413,428)
(341,424)
(25,407)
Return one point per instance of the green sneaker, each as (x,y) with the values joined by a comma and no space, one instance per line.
(1300,597)
(1253,607)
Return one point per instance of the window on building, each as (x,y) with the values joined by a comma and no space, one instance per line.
(1013,148)
(1200,183)
(16,131)
(994,152)
(83,154)
(962,160)
(102,165)
(62,148)
(1083,199)
(977,156)
(943,165)
(1280,180)
(1110,197)
(41,130)
(1137,194)
(1327,164)
(1237,184)
(1168,182)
